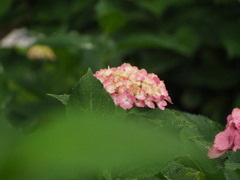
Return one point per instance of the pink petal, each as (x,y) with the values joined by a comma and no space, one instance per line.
(229,118)
(143,71)
(139,103)
(110,88)
(224,140)
(126,100)
(213,152)
(162,104)
(115,98)
(126,105)
(169,99)
(156,80)
(141,94)
(236,114)
(149,103)
(236,142)
(139,77)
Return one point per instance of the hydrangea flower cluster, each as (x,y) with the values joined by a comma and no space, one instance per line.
(229,139)
(129,86)
(41,52)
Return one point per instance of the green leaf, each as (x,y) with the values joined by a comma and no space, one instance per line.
(89,96)
(206,127)
(225,1)
(110,16)
(187,39)
(158,7)
(177,171)
(231,175)
(155,6)
(8,143)
(4,6)
(164,119)
(206,76)
(237,101)
(183,41)
(230,39)
(63,98)
(67,40)
(197,133)
(233,160)
(232,166)
(4,92)
(84,143)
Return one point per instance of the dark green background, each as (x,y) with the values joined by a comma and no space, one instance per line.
(194,46)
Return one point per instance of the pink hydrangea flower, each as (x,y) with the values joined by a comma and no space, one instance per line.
(129,86)
(229,139)
(234,119)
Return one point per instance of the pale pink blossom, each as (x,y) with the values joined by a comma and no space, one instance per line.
(236,142)
(149,102)
(229,139)
(161,104)
(234,119)
(224,140)
(115,98)
(141,94)
(129,86)
(126,100)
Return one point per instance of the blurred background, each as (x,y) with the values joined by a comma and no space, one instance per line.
(46,46)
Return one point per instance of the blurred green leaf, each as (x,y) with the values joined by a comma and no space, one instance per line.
(4,92)
(4,6)
(67,40)
(230,39)
(177,171)
(159,61)
(158,7)
(192,99)
(183,41)
(187,39)
(207,76)
(225,1)
(62,98)
(236,102)
(231,175)
(89,143)
(155,6)
(110,17)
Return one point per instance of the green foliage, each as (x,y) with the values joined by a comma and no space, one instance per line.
(63,98)
(110,16)
(178,171)
(96,141)
(195,133)
(192,45)
(158,7)
(5,5)
(90,97)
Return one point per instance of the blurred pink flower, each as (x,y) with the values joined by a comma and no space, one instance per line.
(229,139)
(234,119)
(129,86)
